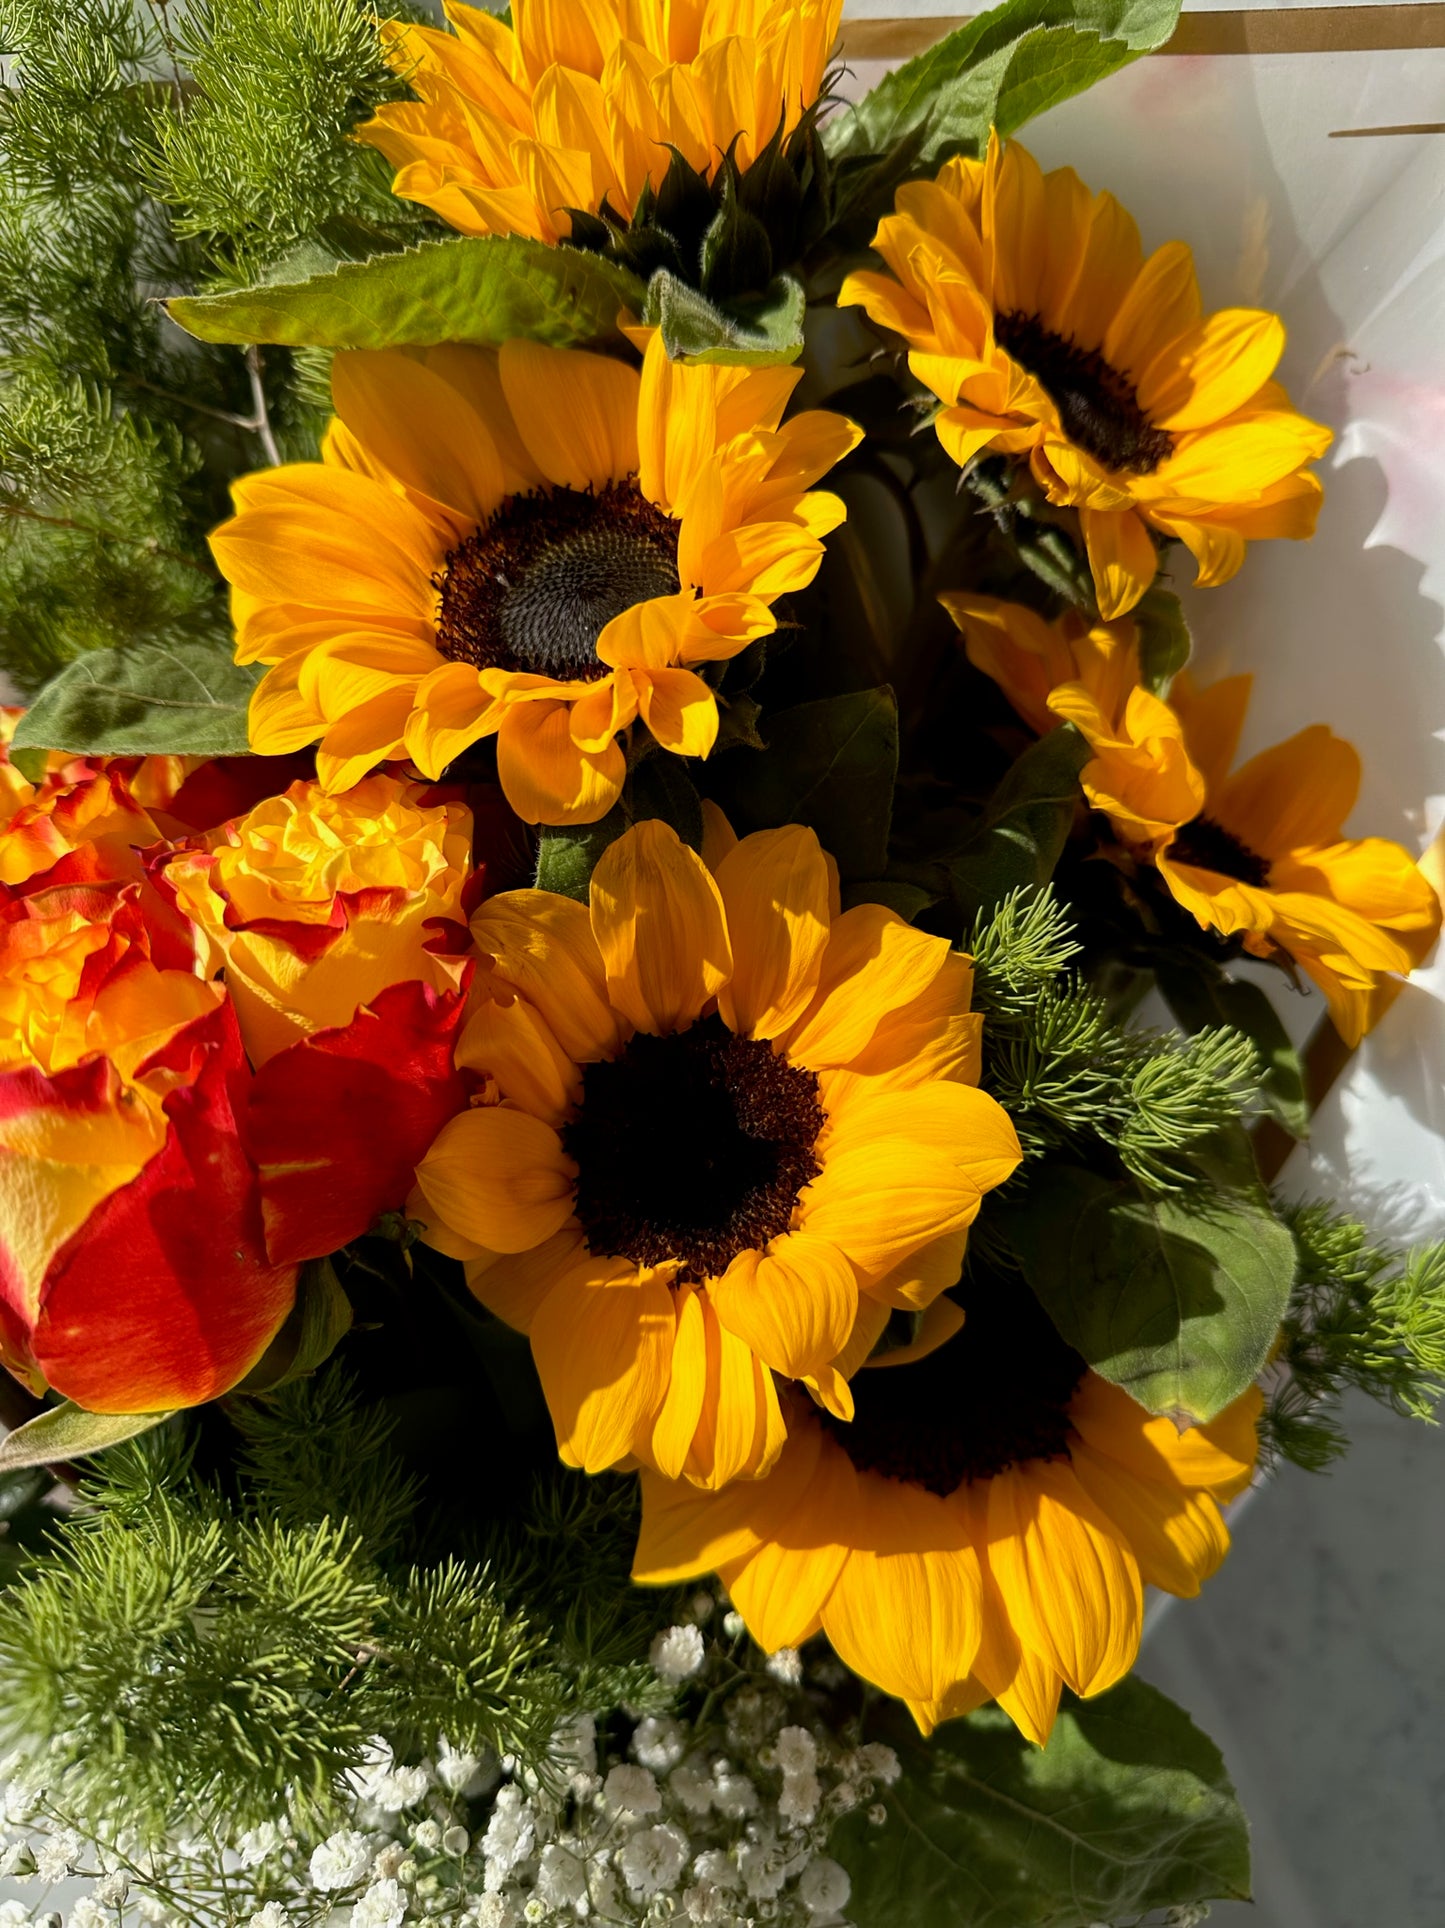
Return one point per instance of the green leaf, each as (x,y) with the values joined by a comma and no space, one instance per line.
(829,764)
(1200,995)
(314,1328)
(758,333)
(896,894)
(1025,826)
(1165,644)
(1127,1810)
(67,1432)
(997,70)
(154,699)
(487,289)
(1176,1298)
(568,854)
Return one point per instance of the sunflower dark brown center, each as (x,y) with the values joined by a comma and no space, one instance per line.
(536,585)
(995,1396)
(692,1147)
(1098,407)
(1209,846)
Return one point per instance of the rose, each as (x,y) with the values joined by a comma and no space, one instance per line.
(133,1270)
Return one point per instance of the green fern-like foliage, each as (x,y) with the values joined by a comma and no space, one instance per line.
(138,159)
(216,1652)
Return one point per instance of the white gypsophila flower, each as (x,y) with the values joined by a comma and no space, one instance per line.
(150,1907)
(561,1877)
(677,1654)
(824,1887)
(111,1889)
(58,1855)
(427,1835)
(382,1906)
(460,1772)
(18,1861)
(651,1860)
(763,1869)
(14,1914)
(786,1665)
(511,1831)
(691,1783)
(631,1790)
(717,1869)
(455,1841)
(259,1844)
(18,1802)
(702,1607)
(387,1863)
(399,1789)
(734,1626)
(733,1794)
(658,1742)
(88,1913)
(795,1751)
(273,1915)
(533,1910)
(491,1911)
(602,1885)
(874,1762)
(341,1861)
(574,1742)
(798,1802)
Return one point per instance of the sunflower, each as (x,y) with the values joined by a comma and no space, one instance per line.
(722,1130)
(537,544)
(1266,860)
(581,102)
(1070,671)
(982,1530)
(1031,312)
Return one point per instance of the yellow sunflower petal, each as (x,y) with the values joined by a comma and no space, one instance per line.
(1178,1538)
(512,1044)
(677,1422)
(782,1588)
(514,1284)
(602,1342)
(660,928)
(1296,792)
(542,945)
(1122,558)
(1070,1584)
(680,710)
(741,1430)
(793,1305)
(685,1532)
(499,1177)
(774,888)
(547,777)
(577,413)
(875,964)
(426,434)
(1213,370)
(879,1204)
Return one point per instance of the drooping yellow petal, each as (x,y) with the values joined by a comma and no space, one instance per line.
(677,1422)
(514,1284)
(542,946)
(602,1341)
(1178,1538)
(499,1177)
(508,1042)
(793,1305)
(1122,558)
(660,928)
(547,776)
(774,888)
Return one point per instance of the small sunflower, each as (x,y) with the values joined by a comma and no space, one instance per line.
(537,544)
(1265,859)
(1070,671)
(580,102)
(722,1129)
(1031,312)
(982,1530)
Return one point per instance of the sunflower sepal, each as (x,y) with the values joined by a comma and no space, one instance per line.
(761,331)
(1175,1298)
(1025,825)
(479,289)
(1044,538)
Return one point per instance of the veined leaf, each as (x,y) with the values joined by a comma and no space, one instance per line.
(1165,644)
(155,699)
(1127,1810)
(478,288)
(997,70)
(69,1432)
(757,333)
(1025,826)
(1177,1299)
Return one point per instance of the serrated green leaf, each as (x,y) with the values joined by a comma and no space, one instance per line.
(1177,1299)
(759,333)
(1165,644)
(1127,1810)
(67,1432)
(997,70)
(154,699)
(478,288)
(830,764)
(1025,826)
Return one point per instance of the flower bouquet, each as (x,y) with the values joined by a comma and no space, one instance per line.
(641,1053)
